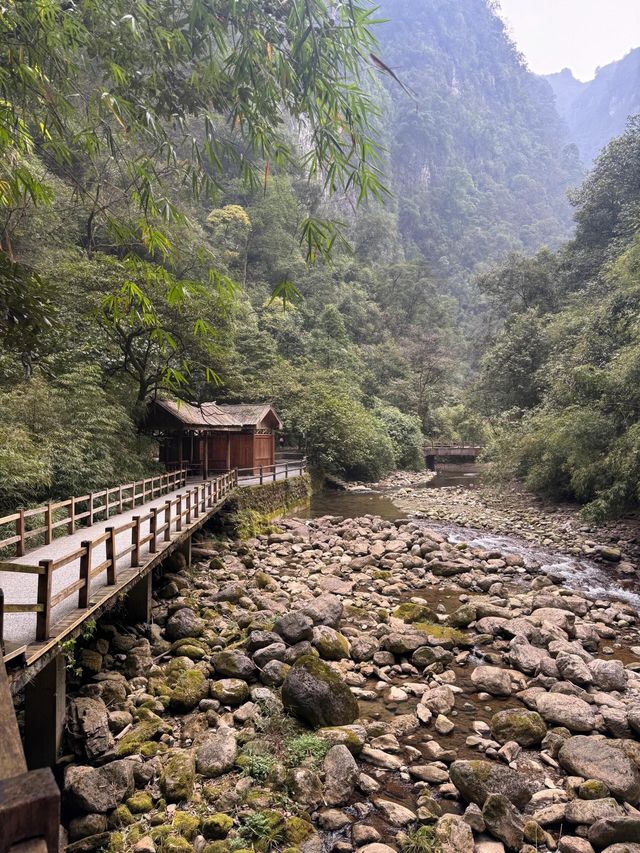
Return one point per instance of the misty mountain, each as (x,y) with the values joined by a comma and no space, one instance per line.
(478,154)
(597,111)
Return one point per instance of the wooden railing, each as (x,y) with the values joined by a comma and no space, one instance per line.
(82,511)
(181,510)
(278,471)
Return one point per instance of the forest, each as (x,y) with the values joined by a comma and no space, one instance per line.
(180,214)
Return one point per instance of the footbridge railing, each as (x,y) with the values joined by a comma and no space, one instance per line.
(31,528)
(176,513)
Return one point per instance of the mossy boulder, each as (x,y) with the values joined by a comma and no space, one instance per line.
(144,732)
(178,776)
(230,691)
(121,816)
(526,728)
(409,612)
(219,847)
(176,844)
(190,688)
(140,803)
(462,617)
(317,694)
(477,780)
(296,829)
(330,644)
(217,827)
(353,737)
(185,824)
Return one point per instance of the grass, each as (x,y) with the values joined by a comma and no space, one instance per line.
(305,746)
(421,840)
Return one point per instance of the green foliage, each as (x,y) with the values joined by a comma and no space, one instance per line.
(563,386)
(306,746)
(420,840)
(263,830)
(406,437)
(459,424)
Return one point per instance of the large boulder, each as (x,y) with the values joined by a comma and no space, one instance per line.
(616,830)
(608,675)
(526,728)
(595,758)
(316,694)
(503,820)
(234,664)
(99,789)
(88,728)
(569,711)
(453,834)
(476,780)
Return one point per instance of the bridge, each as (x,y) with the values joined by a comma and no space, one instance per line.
(71,560)
(434,451)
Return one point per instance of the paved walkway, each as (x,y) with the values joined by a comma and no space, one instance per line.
(22,588)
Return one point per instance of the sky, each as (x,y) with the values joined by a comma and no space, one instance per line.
(577,34)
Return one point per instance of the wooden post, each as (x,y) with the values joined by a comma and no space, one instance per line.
(44,709)
(48,520)
(179,513)
(120,499)
(206,457)
(90,509)
(135,541)
(72,516)
(138,600)
(286,470)
(275,472)
(43,619)
(110,548)
(188,507)
(153,527)
(20,531)
(194,503)
(261,479)
(210,493)
(85,574)
(167,518)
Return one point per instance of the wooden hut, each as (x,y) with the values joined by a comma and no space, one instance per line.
(212,437)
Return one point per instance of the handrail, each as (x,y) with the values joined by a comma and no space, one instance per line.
(275,471)
(184,509)
(128,495)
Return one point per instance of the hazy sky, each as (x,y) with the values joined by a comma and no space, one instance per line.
(576,34)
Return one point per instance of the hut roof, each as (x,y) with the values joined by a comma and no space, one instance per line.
(220,416)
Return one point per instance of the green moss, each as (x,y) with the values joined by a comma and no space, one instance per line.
(409,612)
(186,825)
(217,826)
(176,844)
(296,830)
(142,733)
(264,581)
(140,803)
(122,816)
(178,776)
(421,840)
(116,842)
(149,749)
(218,847)
(441,632)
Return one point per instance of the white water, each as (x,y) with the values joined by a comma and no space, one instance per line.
(584,576)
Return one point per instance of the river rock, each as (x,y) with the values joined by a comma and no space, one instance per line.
(324,610)
(394,813)
(330,644)
(595,758)
(589,811)
(503,820)
(615,830)
(318,695)
(570,711)
(573,668)
(184,623)
(234,664)
(87,726)
(608,675)
(99,789)
(526,728)
(493,680)
(294,627)
(439,700)
(340,776)
(476,780)
(178,776)
(217,754)
(453,834)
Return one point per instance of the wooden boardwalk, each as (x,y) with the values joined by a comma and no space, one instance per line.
(52,590)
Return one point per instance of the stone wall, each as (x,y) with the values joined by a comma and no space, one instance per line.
(252,508)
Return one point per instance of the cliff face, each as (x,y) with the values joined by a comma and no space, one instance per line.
(597,111)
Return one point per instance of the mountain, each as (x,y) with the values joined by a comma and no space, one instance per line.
(478,156)
(597,111)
